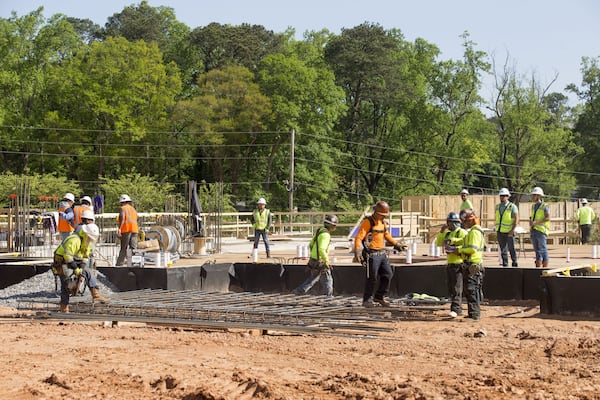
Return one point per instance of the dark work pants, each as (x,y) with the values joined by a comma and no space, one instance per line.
(454,274)
(507,242)
(586,230)
(379,267)
(474,291)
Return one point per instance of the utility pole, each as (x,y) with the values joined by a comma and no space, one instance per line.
(289,184)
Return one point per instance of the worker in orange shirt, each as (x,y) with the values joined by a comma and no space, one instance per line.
(128,228)
(369,250)
(65,215)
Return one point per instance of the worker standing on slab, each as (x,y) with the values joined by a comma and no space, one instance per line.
(369,250)
(73,254)
(507,218)
(261,222)
(318,265)
(466,203)
(128,228)
(472,252)
(65,215)
(585,216)
(539,226)
(451,238)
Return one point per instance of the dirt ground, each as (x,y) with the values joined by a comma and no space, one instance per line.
(512,353)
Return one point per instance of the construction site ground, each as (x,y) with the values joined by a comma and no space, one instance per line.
(513,352)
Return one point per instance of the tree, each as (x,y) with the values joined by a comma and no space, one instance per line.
(587,128)
(149,193)
(534,148)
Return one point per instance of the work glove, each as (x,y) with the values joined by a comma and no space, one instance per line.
(77,271)
(358,257)
(400,247)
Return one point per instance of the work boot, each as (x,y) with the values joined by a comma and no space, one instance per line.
(545,264)
(96,296)
(383,302)
(538,264)
(64,308)
(368,303)
(268,254)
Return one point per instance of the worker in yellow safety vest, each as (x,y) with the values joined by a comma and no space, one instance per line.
(507,218)
(585,216)
(450,237)
(261,222)
(472,252)
(539,226)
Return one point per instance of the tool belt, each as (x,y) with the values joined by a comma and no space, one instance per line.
(375,253)
(314,264)
(472,268)
(57,265)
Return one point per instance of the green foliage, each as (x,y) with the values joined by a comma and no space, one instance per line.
(148,193)
(39,188)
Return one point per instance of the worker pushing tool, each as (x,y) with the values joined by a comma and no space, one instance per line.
(369,250)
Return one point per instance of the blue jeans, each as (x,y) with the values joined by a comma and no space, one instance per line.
(64,292)
(538,240)
(507,242)
(323,277)
(258,233)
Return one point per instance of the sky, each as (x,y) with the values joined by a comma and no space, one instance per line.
(541,37)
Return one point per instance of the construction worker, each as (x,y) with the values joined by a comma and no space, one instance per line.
(371,236)
(261,222)
(451,237)
(466,203)
(539,226)
(507,218)
(85,203)
(128,228)
(65,215)
(585,216)
(72,254)
(472,252)
(318,264)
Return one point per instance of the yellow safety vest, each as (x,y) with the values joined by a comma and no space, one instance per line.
(505,221)
(538,214)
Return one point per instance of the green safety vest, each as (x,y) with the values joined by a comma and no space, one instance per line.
(473,245)
(505,221)
(261,220)
(319,245)
(585,215)
(456,239)
(538,214)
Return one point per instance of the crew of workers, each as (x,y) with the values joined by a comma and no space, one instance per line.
(79,233)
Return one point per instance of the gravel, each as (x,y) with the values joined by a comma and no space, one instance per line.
(41,288)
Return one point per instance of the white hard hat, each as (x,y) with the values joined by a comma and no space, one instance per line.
(537,190)
(92,231)
(584,201)
(87,214)
(86,198)
(69,196)
(504,192)
(464,191)
(124,198)
(261,201)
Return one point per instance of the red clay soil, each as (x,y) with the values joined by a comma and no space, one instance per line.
(512,353)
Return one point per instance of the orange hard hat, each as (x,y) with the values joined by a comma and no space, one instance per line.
(382,208)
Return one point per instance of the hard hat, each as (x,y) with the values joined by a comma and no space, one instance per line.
(504,192)
(382,208)
(86,198)
(464,191)
(537,190)
(87,214)
(69,196)
(453,217)
(91,231)
(124,198)
(331,220)
(261,201)
(584,201)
